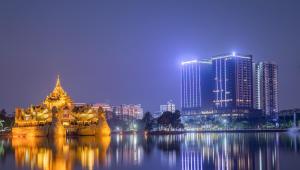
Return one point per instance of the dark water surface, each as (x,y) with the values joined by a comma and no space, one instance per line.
(262,151)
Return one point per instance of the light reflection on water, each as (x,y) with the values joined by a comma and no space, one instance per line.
(59,153)
(183,152)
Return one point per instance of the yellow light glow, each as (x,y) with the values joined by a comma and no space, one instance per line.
(58,116)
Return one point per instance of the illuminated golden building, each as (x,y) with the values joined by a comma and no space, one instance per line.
(58,116)
(58,97)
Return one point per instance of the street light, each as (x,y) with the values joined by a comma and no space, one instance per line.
(225,121)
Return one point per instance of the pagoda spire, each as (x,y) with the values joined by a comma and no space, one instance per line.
(58,82)
(58,97)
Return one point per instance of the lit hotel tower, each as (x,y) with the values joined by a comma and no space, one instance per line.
(196,86)
(266,87)
(233,82)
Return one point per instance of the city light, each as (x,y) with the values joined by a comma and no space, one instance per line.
(189,62)
(233,54)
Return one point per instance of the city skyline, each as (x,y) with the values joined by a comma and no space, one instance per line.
(230,83)
(131,52)
(143,85)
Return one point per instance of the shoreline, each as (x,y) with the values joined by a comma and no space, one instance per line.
(203,131)
(217,131)
(9,134)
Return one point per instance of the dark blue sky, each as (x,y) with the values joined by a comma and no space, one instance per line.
(130,51)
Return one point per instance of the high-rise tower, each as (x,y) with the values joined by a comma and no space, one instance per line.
(233,81)
(196,86)
(265,75)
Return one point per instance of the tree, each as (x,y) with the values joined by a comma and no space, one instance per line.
(165,119)
(3,114)
(7,121)
(148,121)
(147,117)
(176,121)
(169,119)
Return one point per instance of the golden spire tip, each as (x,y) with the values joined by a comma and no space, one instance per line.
(58,81)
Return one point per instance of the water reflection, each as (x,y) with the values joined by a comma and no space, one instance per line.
(60,153)
(125,150)
(186,152)
(230,151)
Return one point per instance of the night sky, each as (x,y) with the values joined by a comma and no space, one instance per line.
(130,51)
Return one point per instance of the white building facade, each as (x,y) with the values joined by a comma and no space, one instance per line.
(266,87)
(170,107)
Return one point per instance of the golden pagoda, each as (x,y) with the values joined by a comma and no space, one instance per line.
(58,116)
(58,97)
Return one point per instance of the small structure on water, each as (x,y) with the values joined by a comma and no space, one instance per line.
(58,116)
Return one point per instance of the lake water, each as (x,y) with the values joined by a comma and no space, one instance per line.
(194,151)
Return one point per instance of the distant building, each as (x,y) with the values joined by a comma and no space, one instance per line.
(290,111)
(129,111)
(196,86)
(265,89)
(80,104)
(107,108)
(233,82)
(170,107)
(290,115)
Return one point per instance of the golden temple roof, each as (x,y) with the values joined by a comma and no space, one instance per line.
(58,97)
